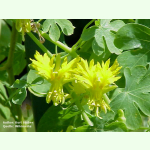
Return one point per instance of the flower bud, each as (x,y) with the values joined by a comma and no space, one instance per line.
(121,116)
(23,25)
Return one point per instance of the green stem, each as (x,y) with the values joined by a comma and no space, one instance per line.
(56,49)
(15,109)
(39,20)
(43,48)
(84,115)
(76,46)
(88,24)
(31,119)
(61,45)
(77,102)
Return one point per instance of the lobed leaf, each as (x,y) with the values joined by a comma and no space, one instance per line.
(134,96)
(134,58)
(102,34)
(51,26)
(132,36)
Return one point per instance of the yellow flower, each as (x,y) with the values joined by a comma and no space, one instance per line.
(97,80)
(57,74)
(23,25)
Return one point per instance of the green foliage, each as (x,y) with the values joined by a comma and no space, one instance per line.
(19,96)
(51,26)
(4,38)
(19,62)
(133,36)
(134,58)
(38,85)
(4,110)
(4,34)
(134,96)
(145,22)
(101,33)
(56,119)
(19,84)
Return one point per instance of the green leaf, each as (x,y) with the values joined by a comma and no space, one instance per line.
(98,123)
(5,34)
(119,123)
(5,111)
(38,81)
(19,62)
(55,120)
(105,22)
(98,48)
(51,26)
(102,34)
(102,57)
(145,22)
(3,94)
(42,86)
(19,84)
(84,128)
(54,32)
(133,36)
(134,96)
(9,21)
(19,96)
(70,112)
(115,125)
(98,126)
(133,58)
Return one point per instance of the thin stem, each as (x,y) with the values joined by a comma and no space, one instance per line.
(39,20)
(15,109)
(64,56)
(43,48)
(61,45)
(30,119)
(88,24)
(55,49)
(75,46)
(84,115)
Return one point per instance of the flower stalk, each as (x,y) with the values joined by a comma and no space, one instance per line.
(61,45)
(43,48)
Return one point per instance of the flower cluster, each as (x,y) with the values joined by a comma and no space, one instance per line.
(57,73)
(97,80)
(91,80)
